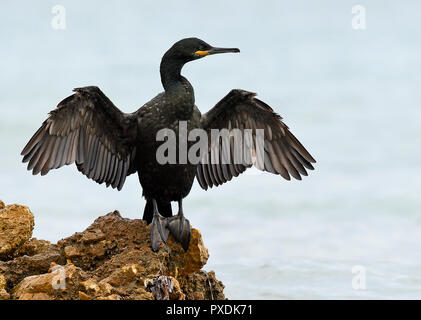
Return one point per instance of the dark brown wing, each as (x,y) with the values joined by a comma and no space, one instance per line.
(281,154)
(86,128)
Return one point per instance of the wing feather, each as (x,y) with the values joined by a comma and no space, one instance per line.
(281,152)
(87,129)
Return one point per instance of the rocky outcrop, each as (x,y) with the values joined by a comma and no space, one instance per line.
(110,260)
(16,224)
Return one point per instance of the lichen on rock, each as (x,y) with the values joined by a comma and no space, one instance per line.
(110,260)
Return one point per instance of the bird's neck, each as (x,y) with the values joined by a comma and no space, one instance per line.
(171,72)
(178,89)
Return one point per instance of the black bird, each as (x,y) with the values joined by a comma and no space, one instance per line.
(107,145)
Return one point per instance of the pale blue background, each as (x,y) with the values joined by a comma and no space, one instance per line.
(352,97)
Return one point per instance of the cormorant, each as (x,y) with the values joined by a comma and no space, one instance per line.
(107,145)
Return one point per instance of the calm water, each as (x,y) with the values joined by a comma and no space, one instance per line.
(352,97)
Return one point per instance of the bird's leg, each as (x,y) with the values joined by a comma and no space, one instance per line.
(180,227)
(159,230)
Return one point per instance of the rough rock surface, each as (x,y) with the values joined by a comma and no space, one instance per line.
(110,260)
(16,224)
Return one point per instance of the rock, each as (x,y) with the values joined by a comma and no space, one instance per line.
(110,297)
(61,282)
(202,286)
(20,267)
(110,260)
(33,246)
(2,282)
(4,295)
(191,261)
(16,224)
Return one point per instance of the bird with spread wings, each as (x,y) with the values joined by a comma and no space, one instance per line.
(107,145)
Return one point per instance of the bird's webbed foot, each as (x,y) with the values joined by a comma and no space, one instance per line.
(179,227)
(159,228)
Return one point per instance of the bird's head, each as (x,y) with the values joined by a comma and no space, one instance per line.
(190,49)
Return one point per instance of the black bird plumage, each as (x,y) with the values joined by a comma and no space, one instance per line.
(108,145)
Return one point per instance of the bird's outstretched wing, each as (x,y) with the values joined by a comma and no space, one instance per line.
(86,128)
(281,154)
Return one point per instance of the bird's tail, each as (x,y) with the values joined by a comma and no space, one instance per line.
(164,209)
